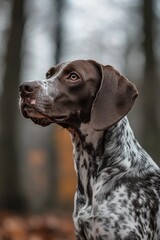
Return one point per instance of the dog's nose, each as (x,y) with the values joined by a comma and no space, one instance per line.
(28,87)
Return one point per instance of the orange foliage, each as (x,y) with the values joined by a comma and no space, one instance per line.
(67,179)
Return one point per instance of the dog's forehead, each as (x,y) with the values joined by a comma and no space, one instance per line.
(85,66)
(57,68)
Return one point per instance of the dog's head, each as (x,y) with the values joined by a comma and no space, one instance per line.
(78,92)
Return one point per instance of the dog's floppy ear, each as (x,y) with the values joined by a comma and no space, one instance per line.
(113,100)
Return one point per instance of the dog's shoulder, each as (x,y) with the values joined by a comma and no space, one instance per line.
(143,188)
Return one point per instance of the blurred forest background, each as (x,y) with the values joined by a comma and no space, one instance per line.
(36,167)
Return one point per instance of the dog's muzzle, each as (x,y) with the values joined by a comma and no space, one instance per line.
(28,103)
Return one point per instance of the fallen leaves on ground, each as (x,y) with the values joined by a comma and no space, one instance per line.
(35,227)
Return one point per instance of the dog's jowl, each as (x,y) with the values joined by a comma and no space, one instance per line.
(118,192)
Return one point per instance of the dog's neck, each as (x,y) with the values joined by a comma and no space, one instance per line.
(103,157)
(114,148)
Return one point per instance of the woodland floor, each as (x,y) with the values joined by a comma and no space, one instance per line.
(36,227)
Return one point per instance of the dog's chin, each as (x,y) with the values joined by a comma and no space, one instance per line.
(45,121)
(37,117)
(41,121)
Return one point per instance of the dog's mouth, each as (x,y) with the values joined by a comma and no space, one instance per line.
(39,117)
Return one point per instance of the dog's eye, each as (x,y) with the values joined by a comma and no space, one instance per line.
(48,75)
(73,77)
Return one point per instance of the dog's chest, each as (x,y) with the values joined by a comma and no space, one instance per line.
(101,207)
(90,207)
(112,214)
(114,200)
(85,202)
(85,172)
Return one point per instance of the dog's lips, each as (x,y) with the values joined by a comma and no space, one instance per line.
(30,110)
(35,113)
(27,101)
(35,116)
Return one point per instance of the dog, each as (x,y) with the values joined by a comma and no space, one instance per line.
(118,192)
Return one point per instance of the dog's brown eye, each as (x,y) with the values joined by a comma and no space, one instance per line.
(48,75)
(73,77)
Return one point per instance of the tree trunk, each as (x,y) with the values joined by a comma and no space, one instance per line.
(151,131)
(10,194)
(58,30)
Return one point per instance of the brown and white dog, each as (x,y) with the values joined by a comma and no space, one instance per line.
(118,192)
